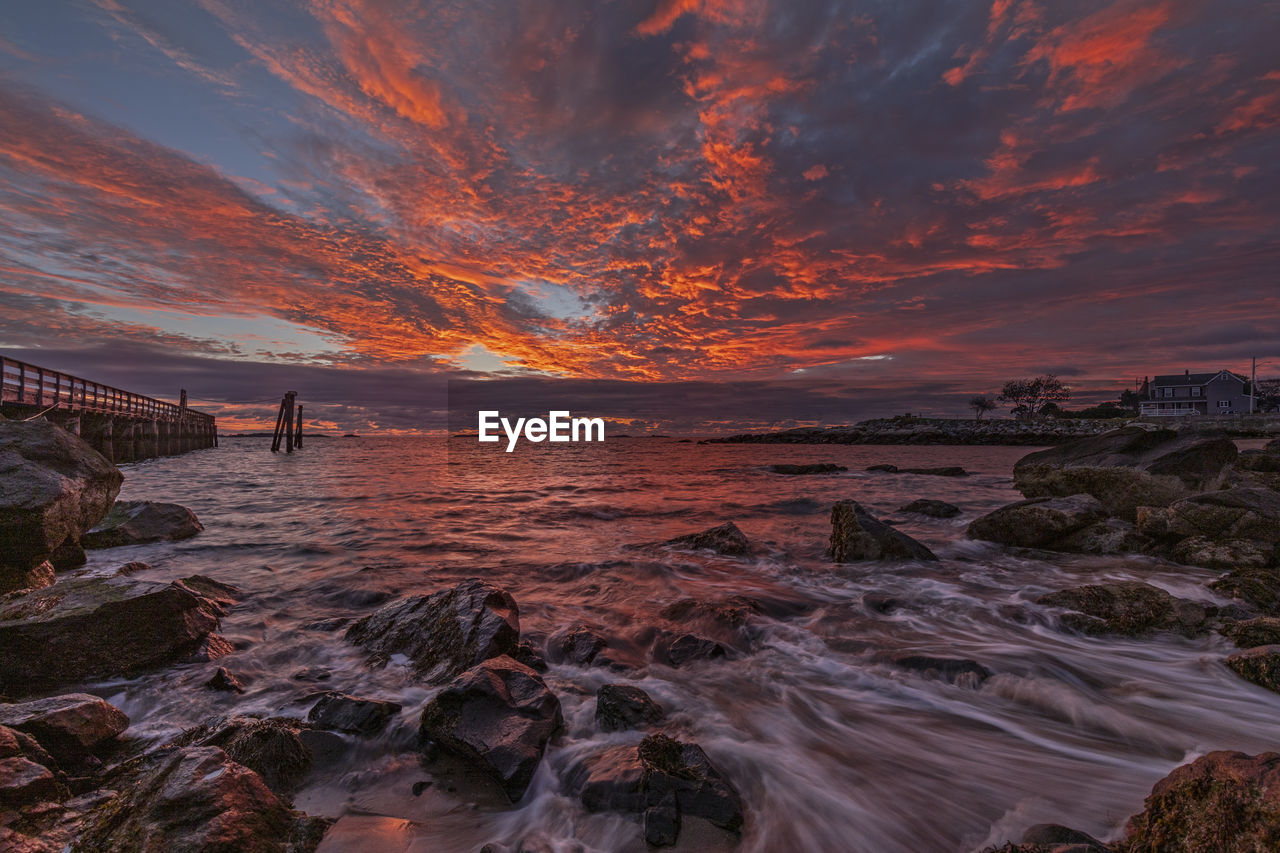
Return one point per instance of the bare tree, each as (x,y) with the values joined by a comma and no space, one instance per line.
(981,404)
(1027,397)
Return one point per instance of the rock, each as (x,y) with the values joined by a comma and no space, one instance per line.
(53,487)
(856,535)
(1232,528)
(1112,536)
(500,716)
(69,555)
(662,823)
(577,645)
(1259,588)
(812,468)
(1224,802)
(528,654)
(1128,468)
(195,799)
(659,776)
(223,680)
(139,522)
(1224,554)
(1260,665)
(23,782)
(1126,608)
(445,633)
(941,471)
(38,577)
(353,714)
(1249,633)
(725,539)
(688,648)
(879,602)
(620,707)
(959,671)
(70,727)
(1262,461)
(86,628)
(1037,522)
(270,747)
(935,509)
(1055,837)
(732,611)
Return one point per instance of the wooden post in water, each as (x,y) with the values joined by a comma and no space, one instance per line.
(275,436)
(288,420)
(297,441)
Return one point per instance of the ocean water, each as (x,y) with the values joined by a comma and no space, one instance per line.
(832,746)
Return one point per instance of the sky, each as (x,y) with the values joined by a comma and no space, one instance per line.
(696,214)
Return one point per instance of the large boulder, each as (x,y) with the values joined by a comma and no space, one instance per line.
(353,714)
(1258,588)
(24,782)
(1038,522)
(724,539)
(195,799)
(1127,608)
(69,727)
(87,628)
(1232,528)
(1128,468)
(53,487)
(272,747)
(662,779)
(621,706)
(931,508)
(1224,802)
(499,716)
(139,522)
(857,535)
(445,633)
(1260,665)
(1251,633)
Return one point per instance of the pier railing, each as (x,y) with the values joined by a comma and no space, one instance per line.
(32,385)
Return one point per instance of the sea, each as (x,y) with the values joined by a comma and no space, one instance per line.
(832,746)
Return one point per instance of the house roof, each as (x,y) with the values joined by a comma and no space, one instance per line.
(1194,378)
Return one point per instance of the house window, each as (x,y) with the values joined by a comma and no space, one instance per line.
(1195,391)
(1224,404)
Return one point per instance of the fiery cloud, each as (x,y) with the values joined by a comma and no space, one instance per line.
(673,190)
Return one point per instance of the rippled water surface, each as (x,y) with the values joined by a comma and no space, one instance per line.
(832,747)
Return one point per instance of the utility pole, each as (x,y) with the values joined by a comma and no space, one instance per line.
(1253,387)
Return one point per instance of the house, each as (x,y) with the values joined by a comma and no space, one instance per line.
(1187,393)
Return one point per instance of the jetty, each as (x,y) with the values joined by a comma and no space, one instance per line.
(121,425)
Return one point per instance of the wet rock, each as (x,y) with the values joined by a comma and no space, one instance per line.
(529,655)
(1128,468)
(23,782)
(662,823)
(38,577)
(353,714)
(577,645)
(1038,522)
(139,522)
(811,468)
(934,509)
(733,611)
(499,715)
(1127,608)
(195,799)
(688,648)
(223,680)
(1061,839)
(857,535)
(445,633)
(53,487)
(939,471)
(85,628)
(1264,461)
(878,602)
(1249,633)
(620,707)
(1225,802)
(1259,665)
(271,747)
(313,674)
(660,773)
(69,555)
(724,539)
(960,671)
(1225,554)
(1233,528)
(70,727)
(1259,588)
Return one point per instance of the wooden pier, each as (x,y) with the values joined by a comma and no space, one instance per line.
(121,425)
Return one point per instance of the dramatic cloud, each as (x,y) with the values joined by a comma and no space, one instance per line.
(915,198)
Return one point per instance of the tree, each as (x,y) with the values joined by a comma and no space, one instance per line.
(981,404)
(1267,393)
(1027,397)
(1130,399)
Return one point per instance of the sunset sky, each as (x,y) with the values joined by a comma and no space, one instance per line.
(811,211)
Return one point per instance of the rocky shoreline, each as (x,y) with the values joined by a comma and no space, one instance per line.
(908,429)
(72,777)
